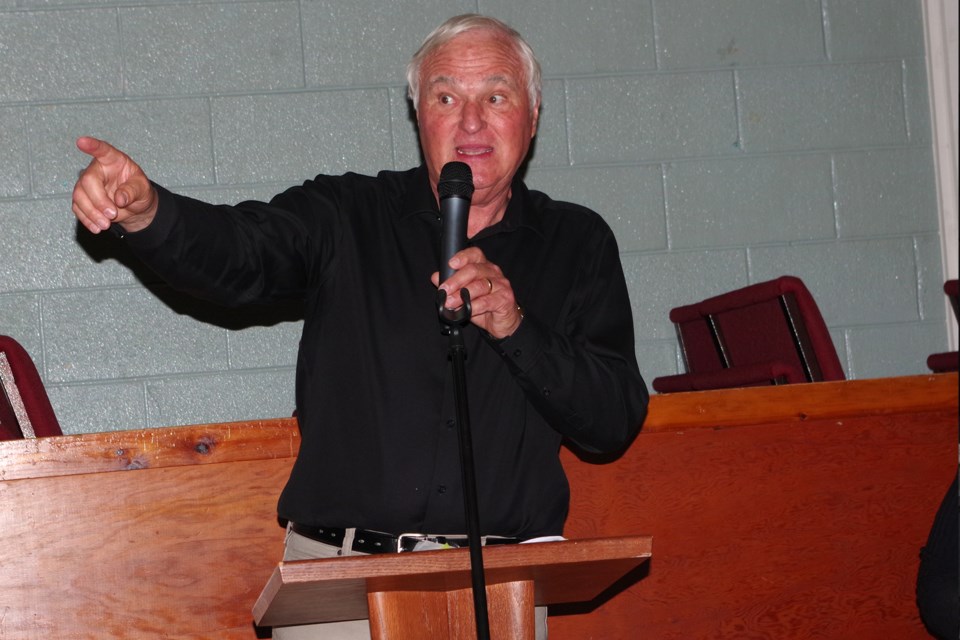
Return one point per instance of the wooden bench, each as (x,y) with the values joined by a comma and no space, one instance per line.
(781,512)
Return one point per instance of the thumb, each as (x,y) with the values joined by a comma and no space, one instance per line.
(136,195)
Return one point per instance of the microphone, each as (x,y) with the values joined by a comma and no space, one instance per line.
(455,189)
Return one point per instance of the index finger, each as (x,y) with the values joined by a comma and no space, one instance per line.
(94,147)
(470,255)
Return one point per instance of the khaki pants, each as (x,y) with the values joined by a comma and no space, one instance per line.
(300,548)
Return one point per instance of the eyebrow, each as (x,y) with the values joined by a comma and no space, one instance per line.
(490,80)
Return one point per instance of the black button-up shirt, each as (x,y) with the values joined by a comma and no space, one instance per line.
(375,396)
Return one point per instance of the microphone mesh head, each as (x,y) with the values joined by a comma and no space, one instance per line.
(456,179)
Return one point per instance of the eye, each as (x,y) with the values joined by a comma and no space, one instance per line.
(497,99)
(446,99)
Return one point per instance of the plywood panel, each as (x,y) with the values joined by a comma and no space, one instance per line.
(775,513)
(771,531)
(154,553)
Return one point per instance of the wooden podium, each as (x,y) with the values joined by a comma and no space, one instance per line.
(427,594)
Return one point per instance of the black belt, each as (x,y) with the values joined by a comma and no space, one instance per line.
(366,541)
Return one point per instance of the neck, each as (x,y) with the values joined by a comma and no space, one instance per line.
(486,215)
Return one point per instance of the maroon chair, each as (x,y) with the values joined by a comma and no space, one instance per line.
(950,360)
(25,410)
(767,333)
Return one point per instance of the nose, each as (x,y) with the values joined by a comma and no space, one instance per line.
(471,117)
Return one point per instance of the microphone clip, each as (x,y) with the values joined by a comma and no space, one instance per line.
(454,317)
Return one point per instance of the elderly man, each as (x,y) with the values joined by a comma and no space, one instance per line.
(550,340)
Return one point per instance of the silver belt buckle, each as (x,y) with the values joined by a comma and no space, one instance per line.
(409,541)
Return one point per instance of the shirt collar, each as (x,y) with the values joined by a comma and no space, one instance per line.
(419,199)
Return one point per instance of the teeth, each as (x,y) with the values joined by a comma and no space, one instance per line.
(473,152)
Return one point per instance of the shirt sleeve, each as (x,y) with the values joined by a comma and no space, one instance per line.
(583,378)
(251,253)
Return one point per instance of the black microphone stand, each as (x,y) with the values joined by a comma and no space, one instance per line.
(452,321)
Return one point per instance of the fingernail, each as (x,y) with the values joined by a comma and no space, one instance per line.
(110,213)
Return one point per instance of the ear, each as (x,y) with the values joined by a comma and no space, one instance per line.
(535,117)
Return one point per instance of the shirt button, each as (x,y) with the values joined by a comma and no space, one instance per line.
(442,488)
(545,391)
(517,353)
(451,423)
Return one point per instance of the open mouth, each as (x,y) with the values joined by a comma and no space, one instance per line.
(474,151)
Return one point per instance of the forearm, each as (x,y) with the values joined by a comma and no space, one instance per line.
(593,394)
(218,253)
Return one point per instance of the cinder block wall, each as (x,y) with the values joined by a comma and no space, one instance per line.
(726,143)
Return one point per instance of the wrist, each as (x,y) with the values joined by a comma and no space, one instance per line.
(516,324)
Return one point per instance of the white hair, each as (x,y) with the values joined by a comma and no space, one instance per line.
(470,22)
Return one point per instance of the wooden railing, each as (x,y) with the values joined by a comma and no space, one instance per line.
(784,512)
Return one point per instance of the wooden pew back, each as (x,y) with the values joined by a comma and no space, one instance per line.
(789,512)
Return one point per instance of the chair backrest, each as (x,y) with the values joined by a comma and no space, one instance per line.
(25,409)
(949,360)
(952,289)
(770,325)
(696,336)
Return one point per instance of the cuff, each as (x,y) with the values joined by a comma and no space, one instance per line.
(522,348)
(157,232)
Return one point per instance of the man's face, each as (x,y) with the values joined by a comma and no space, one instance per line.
(474,107)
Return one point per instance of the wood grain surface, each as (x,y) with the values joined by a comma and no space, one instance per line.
(775,513)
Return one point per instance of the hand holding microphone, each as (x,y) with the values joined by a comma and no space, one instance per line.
(455,188)
(485,295)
